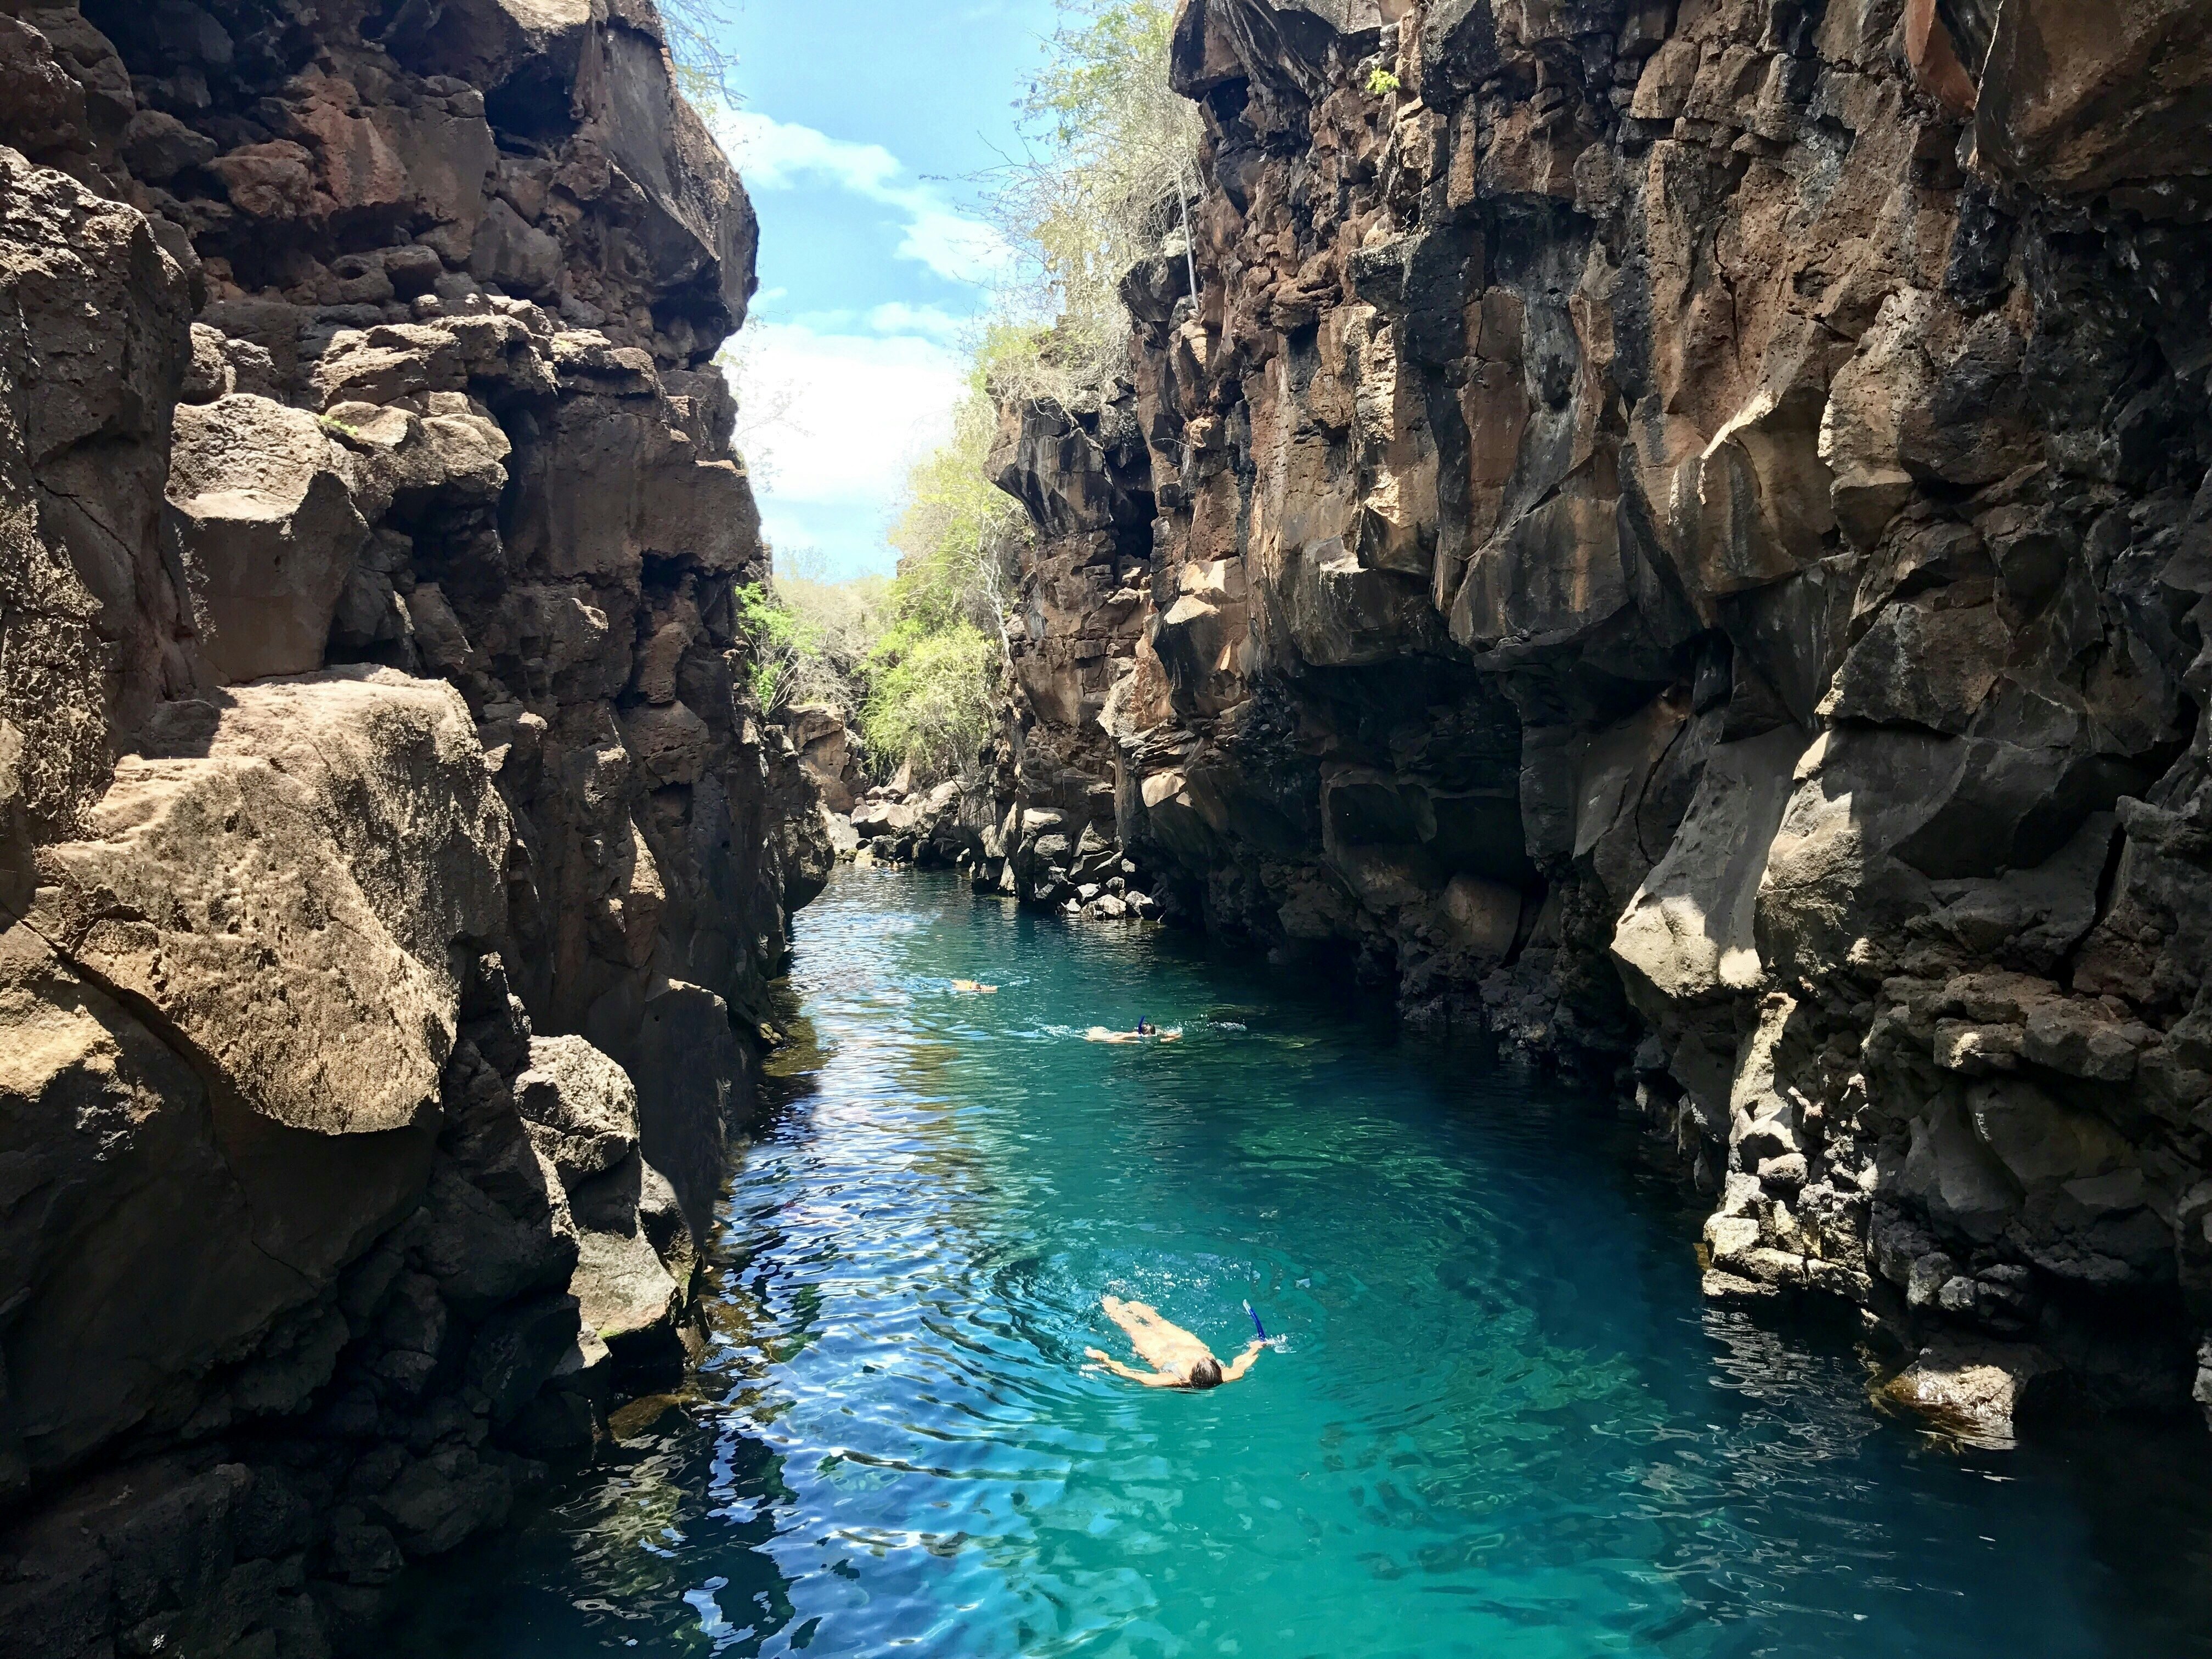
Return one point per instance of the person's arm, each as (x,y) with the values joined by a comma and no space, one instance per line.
(1244,1362)
(1149,1379)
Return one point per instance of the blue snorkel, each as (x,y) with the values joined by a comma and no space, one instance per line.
(1257,1325)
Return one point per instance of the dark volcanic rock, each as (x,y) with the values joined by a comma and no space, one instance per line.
(1677,533)
(392,855)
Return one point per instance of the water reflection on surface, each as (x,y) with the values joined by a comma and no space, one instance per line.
(1504,1423)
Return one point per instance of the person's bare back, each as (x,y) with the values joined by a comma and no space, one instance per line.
(1179,1360)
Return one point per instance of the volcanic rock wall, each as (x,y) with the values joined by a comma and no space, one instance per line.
(1679,532)
(391,856)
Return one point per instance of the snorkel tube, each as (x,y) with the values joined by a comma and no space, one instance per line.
(1257,1325)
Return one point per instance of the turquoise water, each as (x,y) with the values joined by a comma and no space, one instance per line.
(1501,1423)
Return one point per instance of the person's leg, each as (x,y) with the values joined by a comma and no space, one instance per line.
(1157,1342)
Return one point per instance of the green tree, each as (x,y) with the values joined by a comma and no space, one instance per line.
(1109,178)
(930,675)
(929,700)
(841,621)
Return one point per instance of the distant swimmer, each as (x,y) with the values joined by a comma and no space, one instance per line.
(1146,1032)
(1178,1359)
(971,985)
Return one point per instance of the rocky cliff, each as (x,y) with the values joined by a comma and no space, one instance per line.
(1678,532)
(390,854)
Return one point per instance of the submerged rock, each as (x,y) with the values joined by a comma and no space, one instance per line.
(1985,1391)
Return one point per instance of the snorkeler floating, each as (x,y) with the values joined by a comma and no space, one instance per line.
(1146,1032)
(971,986)
(1179,1360)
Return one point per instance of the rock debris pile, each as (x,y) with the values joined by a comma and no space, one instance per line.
(392,855)
(1680,532)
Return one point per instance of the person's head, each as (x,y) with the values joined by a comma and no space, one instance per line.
(1143,1027)
(1206,1374)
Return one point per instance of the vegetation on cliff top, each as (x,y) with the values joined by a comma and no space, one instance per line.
(1111,174)
(932,673)
(913,664)
(910,662)
(695,30)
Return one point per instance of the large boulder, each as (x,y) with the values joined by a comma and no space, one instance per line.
(395,767)
(629,1298)
(484,42)
(274,891)
(637,161)
(581,1107)
(697,1081)
(825,753)
(2077,99)
(1284,43)
(405,465)
(1981,1391)
(258,885)
(634,1250)
(514,257)
(611,480)
(261,518)
(154,1222)
(1688,934)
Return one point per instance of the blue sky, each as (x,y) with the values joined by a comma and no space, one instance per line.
(861,129)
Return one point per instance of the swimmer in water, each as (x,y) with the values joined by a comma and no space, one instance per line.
(1178,1359)
(971,986)
(1145,1032)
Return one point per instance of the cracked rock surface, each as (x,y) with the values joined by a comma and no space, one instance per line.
(391,855)
(1677,534)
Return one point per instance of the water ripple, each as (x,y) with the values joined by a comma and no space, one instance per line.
(1501,1422)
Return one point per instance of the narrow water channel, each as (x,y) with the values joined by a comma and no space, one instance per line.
(1501,1423)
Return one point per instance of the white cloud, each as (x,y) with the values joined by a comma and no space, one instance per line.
(934,322)
(958,248)
(856,411)
(773,154)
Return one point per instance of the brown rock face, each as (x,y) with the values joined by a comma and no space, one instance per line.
(392,857)
(264,525)
(220,891)
(1677,534)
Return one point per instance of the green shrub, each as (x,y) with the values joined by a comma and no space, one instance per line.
(778,639)
(929,699)
(930,675)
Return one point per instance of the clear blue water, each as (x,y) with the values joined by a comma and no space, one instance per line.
(1503,1422)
